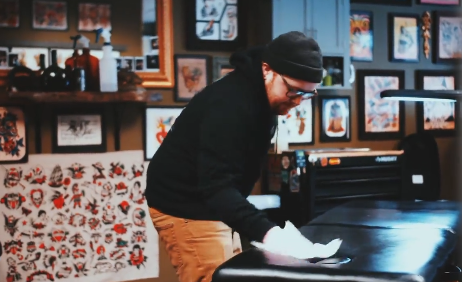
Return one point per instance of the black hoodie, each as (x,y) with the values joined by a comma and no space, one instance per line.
(211,158)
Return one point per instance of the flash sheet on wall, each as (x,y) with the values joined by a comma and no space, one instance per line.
(75,218)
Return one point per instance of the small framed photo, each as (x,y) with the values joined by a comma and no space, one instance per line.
(14,145)
(404,37)
(79,131)
(361,36)
(139,63)
(10,13)
(221,67)
(128,63)
(379,119)
(4,58)
(335,118)
(192,74)
(157,122)
(152,62)
(440,2)
(13,60)
(446,39)
(437,117)
(119,63)
(94,16)
(49,15)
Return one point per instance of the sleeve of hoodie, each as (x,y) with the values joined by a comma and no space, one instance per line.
(223,143)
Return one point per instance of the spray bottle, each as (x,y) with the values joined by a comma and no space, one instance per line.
(90,64)
(107,65)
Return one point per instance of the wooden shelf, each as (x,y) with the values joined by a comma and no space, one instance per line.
(137,96)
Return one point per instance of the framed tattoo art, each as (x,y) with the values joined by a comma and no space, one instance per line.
(13,137)
(379,119)
(404,38)
(447,44)
(437,117)
(214,25)
(94,16)
(221,67)
(192,74)
(335,118)
(158,120)
(79,131)
(49,15)
(10,17)
(361,36)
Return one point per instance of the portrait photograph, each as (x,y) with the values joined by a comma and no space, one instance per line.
(192,74)
(50,15)
(335,118)
(405,38)
(361,36)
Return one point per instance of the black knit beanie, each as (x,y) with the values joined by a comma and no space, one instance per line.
(295,55)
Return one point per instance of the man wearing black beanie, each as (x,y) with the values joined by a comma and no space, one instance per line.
(206,167)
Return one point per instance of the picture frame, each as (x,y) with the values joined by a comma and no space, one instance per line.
(215,25)
(192,74)
(438,118)
(92,16)
(439,2)
(361,36)
(445,48)
(12,19)
(335,118)
(41,11)
(221,67)
(81,130)
(156,124)
(384,2)
(14,145)
(379,119)
(404,37)
(4,58)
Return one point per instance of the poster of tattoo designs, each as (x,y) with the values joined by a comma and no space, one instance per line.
(75,218)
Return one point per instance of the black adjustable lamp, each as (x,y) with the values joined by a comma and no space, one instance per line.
(422,95)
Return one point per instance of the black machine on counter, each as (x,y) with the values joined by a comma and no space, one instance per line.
(310,182)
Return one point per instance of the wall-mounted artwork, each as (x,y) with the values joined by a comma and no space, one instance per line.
(50,15)
(379,119)
(335,118)
(404,37)
(157,122)
(436,117)
(447,39)
(361,36)
(192,74)
(13,137)
(384,2)
(221,67)
(9,13)
(214,25)
(79,131)
(441,2)
(94,16)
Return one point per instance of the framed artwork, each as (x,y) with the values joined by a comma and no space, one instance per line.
(13,137)
(192,74)
(437,117)
(221,67)
(94,16)
(379,119)
(49,15)
(157,123)
(4,58)
(79,131)
(404,37)
(384,2)
(298,125)
(215,25)
(440,2)
(361,36)
(447,46)
(335,118)
(30,57)
(10,13)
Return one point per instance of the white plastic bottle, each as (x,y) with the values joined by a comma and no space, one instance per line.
(107,66)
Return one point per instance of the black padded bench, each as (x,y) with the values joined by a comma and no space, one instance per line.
(382,244)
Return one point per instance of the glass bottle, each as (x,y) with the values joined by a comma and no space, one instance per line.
(21,78)
(54,77)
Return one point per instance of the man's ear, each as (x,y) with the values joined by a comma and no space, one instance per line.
(267,71)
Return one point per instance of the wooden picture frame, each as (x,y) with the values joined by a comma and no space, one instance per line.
(157,122)
(216,26)
(442,54)
(384,2)
(334,118)
(192,74)
(41,9)
(448,80)
(439,2)
(14,145)
(73,123)
(385,118)
(404,28)
(221,67)
(361,30)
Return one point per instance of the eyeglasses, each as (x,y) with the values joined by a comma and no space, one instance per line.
(293,93)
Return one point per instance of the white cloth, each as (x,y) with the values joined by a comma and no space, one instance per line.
(290,242)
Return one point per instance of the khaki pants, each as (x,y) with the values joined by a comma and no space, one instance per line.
(195,247)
